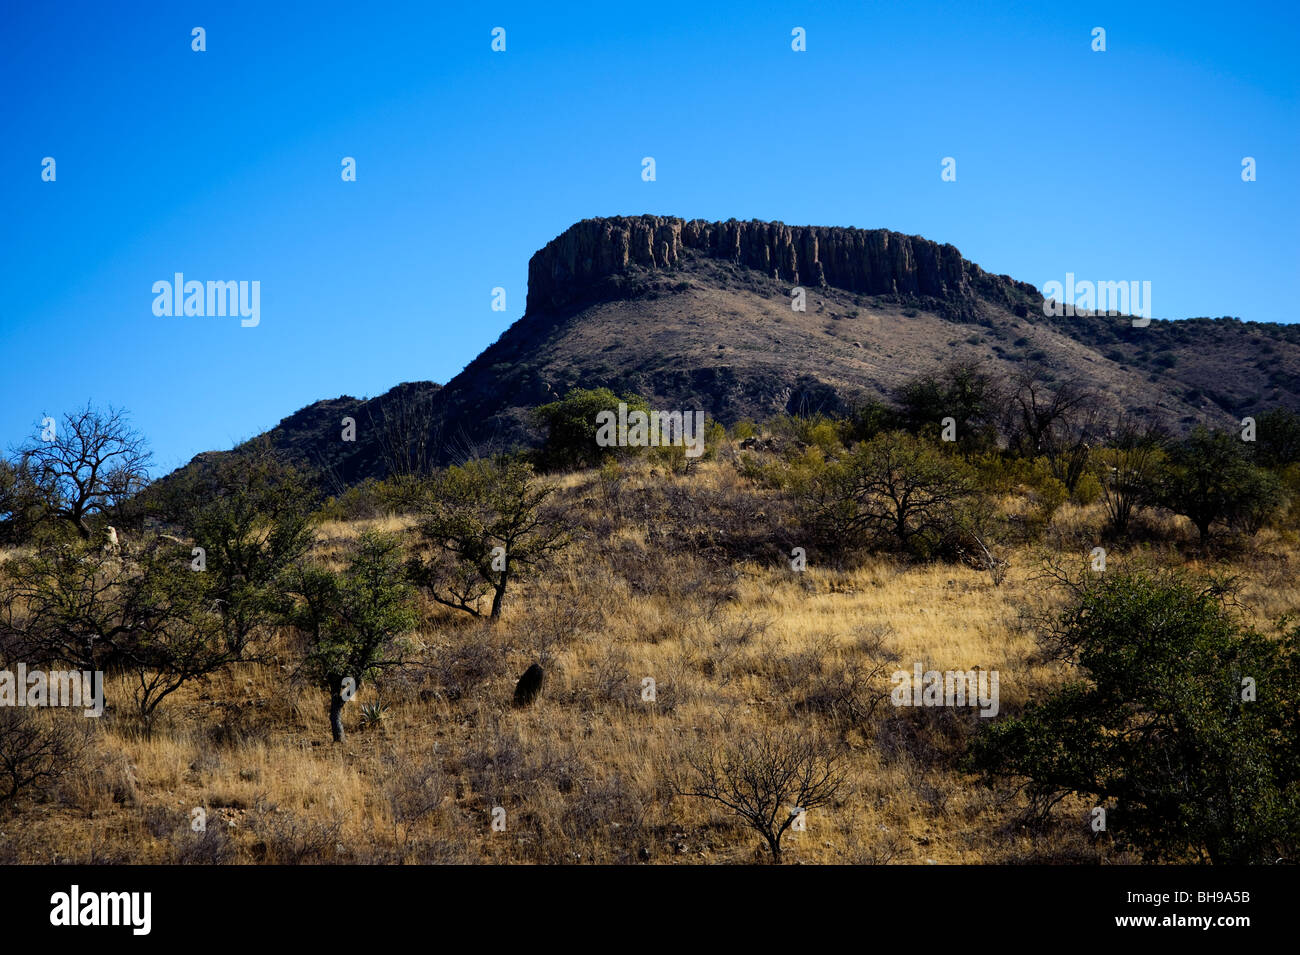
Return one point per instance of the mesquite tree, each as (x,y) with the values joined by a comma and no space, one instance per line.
(487,524)
(768,780)
(253,515)
(84,465)
(352,622)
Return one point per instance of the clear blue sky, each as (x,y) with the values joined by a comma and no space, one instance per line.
(225,165)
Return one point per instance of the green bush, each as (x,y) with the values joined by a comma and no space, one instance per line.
(743,429)
(1000,473)
(896,491)
(1087,490)
(961,391)
(571,429)
(1156,723)
(1277,438)
(1209,479)
(815,429)
(353,623)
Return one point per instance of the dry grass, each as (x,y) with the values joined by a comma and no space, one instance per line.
(583,775)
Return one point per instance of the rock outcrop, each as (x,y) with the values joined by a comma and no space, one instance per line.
(869,261)
(529,685)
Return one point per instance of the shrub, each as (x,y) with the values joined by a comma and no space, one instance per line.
(894,491)
(766,779)
(1209,480)
(36,750)
(743,429)
(1156,724)
(571,429)
(1087,491)
(1128,473)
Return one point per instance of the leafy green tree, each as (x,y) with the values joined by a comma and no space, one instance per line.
(1277,438)
(353,622)
(1209,480)
(894,489)
(1177,718)
(254,516)
(571,428)
(78,605)
(961,391)
(148,616)
(184,639)
(487,524)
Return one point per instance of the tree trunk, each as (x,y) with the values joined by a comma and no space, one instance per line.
(336,714)
(499,597)
(775,845)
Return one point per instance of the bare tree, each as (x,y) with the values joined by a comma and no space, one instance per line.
(86,464)
(408,432)
(413,790)
(1128,471)
(1058,421)
(767,780)
(35,750)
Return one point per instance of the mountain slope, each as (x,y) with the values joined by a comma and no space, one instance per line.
(691,314)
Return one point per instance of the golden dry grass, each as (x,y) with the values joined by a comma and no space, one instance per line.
(582,775)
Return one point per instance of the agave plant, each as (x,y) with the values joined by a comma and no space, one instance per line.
(372,714)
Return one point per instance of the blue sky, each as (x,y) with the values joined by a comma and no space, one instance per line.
(225,165)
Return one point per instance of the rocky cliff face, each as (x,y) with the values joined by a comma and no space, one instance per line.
(869,261)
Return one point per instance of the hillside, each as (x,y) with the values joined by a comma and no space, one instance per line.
(695,314)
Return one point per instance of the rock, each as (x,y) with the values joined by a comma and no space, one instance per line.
(867,261)
(529,685)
